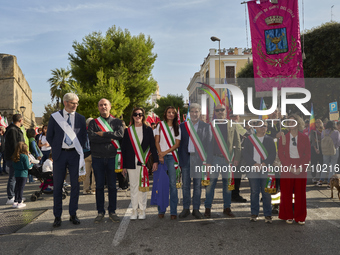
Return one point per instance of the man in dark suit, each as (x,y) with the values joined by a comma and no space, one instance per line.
(188,159)
(65,154)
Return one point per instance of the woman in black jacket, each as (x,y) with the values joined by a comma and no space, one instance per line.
(138,143)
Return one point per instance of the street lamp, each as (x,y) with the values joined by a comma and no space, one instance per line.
(214,39)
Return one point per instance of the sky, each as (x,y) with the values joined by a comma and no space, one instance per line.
(40,33)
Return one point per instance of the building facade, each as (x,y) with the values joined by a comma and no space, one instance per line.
(217,68)
(15,93)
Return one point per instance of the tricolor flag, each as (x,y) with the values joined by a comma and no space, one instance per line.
(2,121)
(311,120)
(188,114)
(263,107)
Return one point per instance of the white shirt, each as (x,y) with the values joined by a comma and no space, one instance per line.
(72,119)
(257,157)
(47,166)
(43,140)
(162,143)
(293,150)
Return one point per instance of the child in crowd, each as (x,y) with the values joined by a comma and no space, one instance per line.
(47,167)
(21,164)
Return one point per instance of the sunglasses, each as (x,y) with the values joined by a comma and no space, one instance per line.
(138,114)
(294,141)
(219,110)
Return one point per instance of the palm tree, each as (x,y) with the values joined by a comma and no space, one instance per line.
(60,84)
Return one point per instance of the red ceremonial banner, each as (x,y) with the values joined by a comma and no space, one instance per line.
(276,45)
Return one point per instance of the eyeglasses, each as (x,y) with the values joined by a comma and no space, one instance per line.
(219,110)
(294,141)
(138,114)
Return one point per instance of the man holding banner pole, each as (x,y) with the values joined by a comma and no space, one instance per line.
(66,134)
(104,133)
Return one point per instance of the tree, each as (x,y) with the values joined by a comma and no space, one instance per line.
(105,88)
(49,109)
(59,84)
(170,100)
(126,59)
(322,49)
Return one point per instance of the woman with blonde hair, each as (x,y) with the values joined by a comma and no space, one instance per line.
(294,153)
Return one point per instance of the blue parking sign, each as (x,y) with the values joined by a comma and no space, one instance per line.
(333,107)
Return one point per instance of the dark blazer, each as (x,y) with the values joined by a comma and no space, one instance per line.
(248,151)
(203,131)
(128,152)
(13,136)
(303,146)
(55,135)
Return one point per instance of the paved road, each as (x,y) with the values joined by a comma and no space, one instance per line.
(218,235)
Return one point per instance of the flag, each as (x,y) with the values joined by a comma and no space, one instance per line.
(263,107)
(312,120)
(276,44)
(179,117)
(6,122)
(2,121)
(150,120)
(188,113)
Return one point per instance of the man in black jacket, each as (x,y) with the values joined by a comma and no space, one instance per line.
(13,136)
(2,149)
(102,133)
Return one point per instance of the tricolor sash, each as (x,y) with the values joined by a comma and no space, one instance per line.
(225,151)
(271,181)
(142,156)
(105,127)
(170,140)
(200,150)
(72,135)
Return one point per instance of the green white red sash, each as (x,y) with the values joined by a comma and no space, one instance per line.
(259,147)
(200,150)
(142,157)
(225,151)
(105,127)
(170,141)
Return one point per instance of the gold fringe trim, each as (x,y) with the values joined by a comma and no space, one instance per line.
(178,185)
(144,189)
(118,171)
(81,178)
(270,191)
(205,182)
(231,187)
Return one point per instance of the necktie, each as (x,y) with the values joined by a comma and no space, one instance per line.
(68,140)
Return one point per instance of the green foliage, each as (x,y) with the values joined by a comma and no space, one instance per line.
(322,49)
(105,88)
(127,59)
(170,100)
(49,109)
(59,84)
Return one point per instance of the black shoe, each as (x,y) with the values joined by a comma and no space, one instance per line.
(75,220)
(57,222)
(239,200)
(184,213)
(275,209)
(197,214)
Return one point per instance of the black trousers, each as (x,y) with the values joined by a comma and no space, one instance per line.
(19,188)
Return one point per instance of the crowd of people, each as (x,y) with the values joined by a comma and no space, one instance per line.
(101,150)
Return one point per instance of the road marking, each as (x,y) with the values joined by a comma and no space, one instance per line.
(122,227)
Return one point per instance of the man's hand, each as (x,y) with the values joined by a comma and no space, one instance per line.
(100,133)
(258,166)
(124,172)
(236,163)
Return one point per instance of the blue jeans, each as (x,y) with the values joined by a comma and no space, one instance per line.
(45,156)
(257,182)
(196,199)
(11,180)
(330,161)
(105,167)
(210,191)
(169,161)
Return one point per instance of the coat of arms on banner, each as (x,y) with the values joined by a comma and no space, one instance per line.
(276,41)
